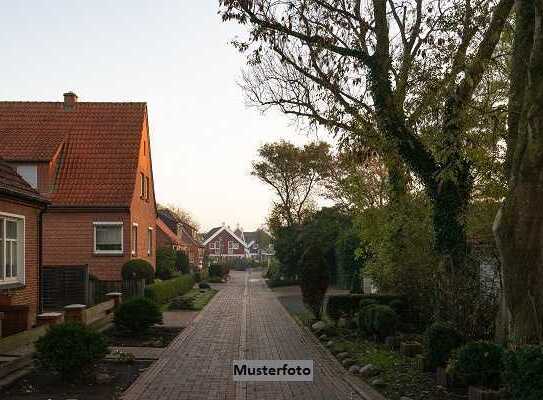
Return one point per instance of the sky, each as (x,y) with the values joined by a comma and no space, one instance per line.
(174,55)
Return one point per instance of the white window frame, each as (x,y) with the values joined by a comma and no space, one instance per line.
(134,241)
(21,238)
(109,252)
(149,241)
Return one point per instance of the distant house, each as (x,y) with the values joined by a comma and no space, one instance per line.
(221,242)
(92,161)
(181,236)
(21,208)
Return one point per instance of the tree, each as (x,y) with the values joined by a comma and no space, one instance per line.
(314,279)
(519,224)
(180,214)
(293,173)
(408,94)
(182,262)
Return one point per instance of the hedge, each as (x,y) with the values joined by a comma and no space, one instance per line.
(164,291)
(348,304)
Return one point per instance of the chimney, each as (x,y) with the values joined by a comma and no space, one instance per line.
(70,99)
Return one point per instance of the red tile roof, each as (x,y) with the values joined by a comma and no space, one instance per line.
(98,145)
(12,184)
(167,231)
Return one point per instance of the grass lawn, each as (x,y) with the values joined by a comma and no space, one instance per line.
(195,299)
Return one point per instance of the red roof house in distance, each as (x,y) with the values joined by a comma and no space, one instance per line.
(92,161)
(221,242)
(21,208)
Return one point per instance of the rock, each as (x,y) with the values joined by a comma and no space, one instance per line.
(342,355)
(354,369)
(378,382)
(318,326)
(369,370)
(102,379)
(330,343)
(323,337)
(348,362)
(342,323)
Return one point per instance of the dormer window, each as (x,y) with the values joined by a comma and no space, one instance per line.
(29,172)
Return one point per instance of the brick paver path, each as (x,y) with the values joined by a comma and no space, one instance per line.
(246,321)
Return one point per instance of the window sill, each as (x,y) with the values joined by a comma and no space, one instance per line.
(11,285)
(100,254)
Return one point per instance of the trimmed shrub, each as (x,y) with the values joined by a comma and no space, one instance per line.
(349,304)
(70,349)
(165,263)
(314,282)
(367,302)
(182,262)
(378,320)
(137,315)
(479,364)
(217,270)
(181,303)
(162,292)
(339,305)
(138,269)
(204,285)
(439,341)
(197,276)
(524,373)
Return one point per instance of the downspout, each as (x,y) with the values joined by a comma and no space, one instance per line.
(40,258)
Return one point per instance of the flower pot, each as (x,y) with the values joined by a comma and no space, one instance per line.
(477,393)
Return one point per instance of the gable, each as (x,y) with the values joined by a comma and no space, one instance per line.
(228,232)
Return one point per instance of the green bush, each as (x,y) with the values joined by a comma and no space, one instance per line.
(524,373)
(204,285)
(439,341)
(181,303)
(70,349)
(348,304)
(378,320)
(137,315)
(165,263)
(479,364)
(162,292)
(314,279)
(217,270)
(138,269)
(367,302)
(182,262)
(197,276)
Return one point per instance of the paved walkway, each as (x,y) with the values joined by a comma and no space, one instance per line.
(244,321)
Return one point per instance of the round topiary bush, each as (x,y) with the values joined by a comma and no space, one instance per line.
(70,349)
(378,320)
(138,269)
(524,372)
(137,315)
(479,364)
(366,302)
(440,340)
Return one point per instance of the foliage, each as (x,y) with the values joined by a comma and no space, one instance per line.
(197,276)
(162,292)
(138,269)
(348,263)
(137,315)
(179,214)
(348,304)
(204,285)
(181,303)
(523,372)
(314,279)
(378,320)
(288,251)
(165,263)
(293,173)
(70,349)
(440,341)
(479,364)
(195,299)
(182,262)
(218,270)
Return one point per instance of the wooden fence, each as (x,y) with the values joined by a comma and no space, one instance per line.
(97,290)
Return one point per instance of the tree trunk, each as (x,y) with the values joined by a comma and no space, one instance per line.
(518,227)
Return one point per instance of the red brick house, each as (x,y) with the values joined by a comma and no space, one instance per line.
(92,161)
(21,208)
(221,242)
(184,237)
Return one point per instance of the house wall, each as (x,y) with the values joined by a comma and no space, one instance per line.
(68,239)
(224,237)
(27,295)
(143,210)
(162,240)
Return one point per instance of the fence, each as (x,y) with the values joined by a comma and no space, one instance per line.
(97,290)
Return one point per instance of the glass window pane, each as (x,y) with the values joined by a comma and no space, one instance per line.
(2,241)
(14,258)
(109,237)
(8,260)
(11,230)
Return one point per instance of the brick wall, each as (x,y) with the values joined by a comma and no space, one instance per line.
(225,237)
(27,295)
(68,239)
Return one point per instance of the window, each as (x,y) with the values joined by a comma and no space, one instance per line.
(235,245)
(142,185)
(134,239)
(108,237)
(149,241)
(146,188)
(29,173)
(11,248)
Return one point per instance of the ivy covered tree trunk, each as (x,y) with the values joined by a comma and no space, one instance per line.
(519,224)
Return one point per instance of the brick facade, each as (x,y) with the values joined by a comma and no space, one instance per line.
(28,294)
(223,238)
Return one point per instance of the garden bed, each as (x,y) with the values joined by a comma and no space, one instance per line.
(113,379)
(195,300)
(158,336)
